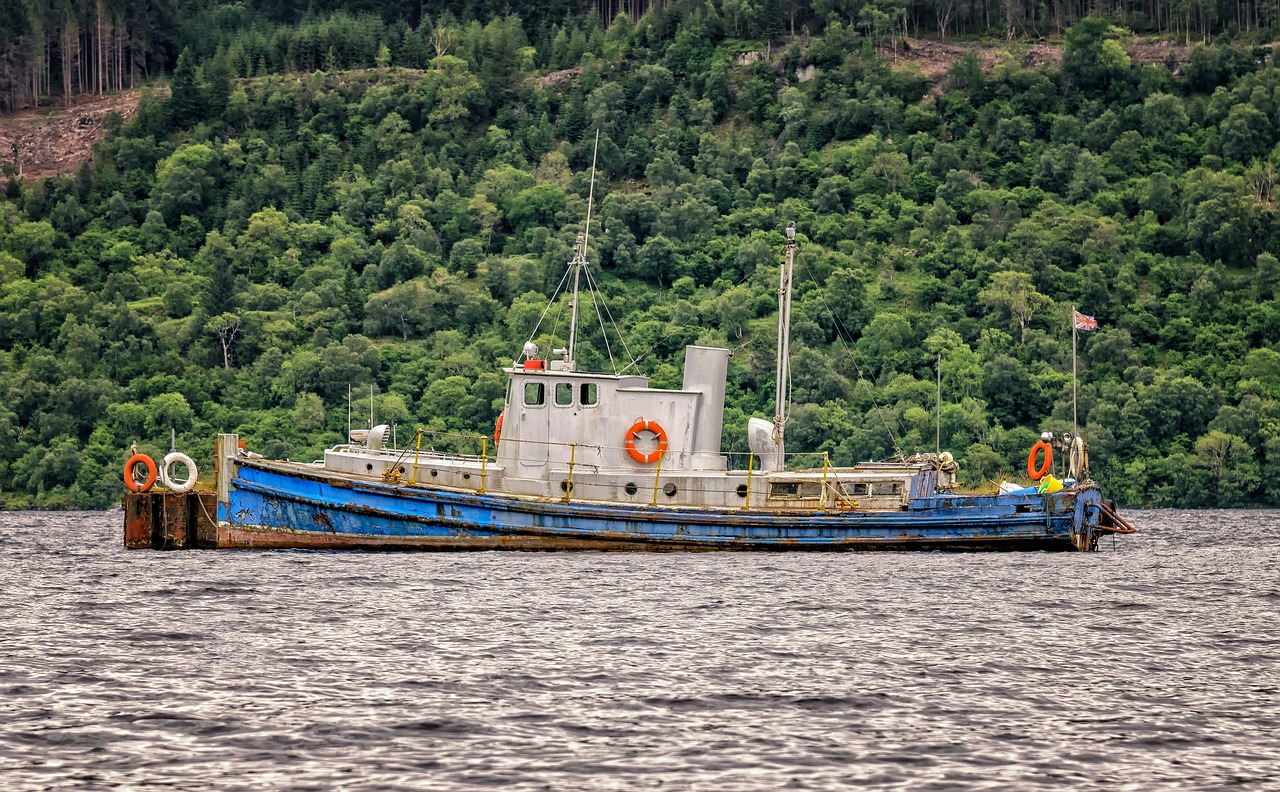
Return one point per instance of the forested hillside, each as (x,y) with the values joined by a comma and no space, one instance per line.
(349,200)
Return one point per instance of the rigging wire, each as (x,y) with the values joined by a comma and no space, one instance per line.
(555,327)
(595,286)
(550,302)
(604,335)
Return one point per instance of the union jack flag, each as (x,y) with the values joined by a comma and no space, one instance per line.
(1085,322)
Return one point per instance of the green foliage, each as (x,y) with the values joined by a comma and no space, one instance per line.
(186,102)
(292,223)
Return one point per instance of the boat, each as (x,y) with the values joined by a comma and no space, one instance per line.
(583,460)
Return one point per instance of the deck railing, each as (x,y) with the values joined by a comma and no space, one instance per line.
(832,494)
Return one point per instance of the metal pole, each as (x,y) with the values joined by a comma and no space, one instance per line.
(484,463)
(784,342)
(751,462)
(416,452)
(568,485)
(937,435)
(1074,420)
(657,474)
(826,462)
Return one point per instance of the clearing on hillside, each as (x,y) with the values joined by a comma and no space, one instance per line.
(47,141)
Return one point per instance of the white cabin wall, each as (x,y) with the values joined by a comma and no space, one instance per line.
(535,436)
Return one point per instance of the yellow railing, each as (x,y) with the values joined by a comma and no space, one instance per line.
(832,494)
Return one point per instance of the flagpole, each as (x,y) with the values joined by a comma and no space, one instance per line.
(1074,421)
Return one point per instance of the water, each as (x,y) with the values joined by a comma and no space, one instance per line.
(1153,665)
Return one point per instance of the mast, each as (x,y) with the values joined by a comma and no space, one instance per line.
(784,340)
(580,261)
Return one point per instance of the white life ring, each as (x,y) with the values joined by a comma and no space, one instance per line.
(1079,458)
(166,477)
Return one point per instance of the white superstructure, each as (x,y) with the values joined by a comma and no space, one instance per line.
(575,435)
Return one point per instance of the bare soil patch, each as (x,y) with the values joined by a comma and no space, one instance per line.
(42,142)
(935,58)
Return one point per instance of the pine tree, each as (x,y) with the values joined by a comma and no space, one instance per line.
(185,99)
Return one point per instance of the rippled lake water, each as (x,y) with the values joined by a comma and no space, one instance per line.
(1156,664)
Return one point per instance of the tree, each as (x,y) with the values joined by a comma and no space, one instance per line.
(1093,56)
(185,182)
(308,412)
(226,327)
(1010,392)
(657,260)
(1013,291)
(1245,133)
(1233,471)
(169,410)
(405,308)
(1163,116)
(185,101)
(222,294)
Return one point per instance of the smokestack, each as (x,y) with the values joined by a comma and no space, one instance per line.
(704,372)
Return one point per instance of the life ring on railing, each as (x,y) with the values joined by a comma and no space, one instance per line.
(1037,473)
(131,483)
(497,428)
(646,426)
(166,477)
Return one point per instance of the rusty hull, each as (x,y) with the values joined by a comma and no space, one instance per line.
(279,505)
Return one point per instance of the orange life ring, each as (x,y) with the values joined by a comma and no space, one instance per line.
(1037,473)
(497,427)
(646,426)
(130,482)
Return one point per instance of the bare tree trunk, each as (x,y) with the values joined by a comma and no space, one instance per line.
(101,60)
(66,64)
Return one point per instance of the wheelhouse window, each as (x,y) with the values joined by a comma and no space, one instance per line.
(564,394)
(534,394)
(873,488)
(588,394)
(795,489)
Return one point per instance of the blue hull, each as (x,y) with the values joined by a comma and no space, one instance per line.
(271,505)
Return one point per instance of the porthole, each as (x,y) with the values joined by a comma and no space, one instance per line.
(368,467)
(670,490)
(402,470)
(435,473)
(742,490)
(630,488)
(566,486)
(466,476)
